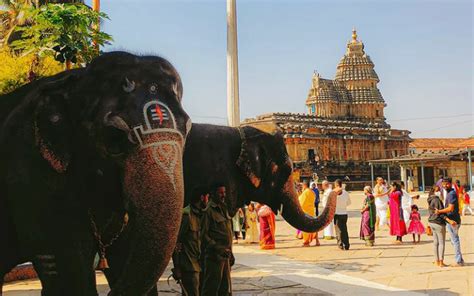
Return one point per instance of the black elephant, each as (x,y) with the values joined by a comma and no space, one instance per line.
(91,160)
(256,167)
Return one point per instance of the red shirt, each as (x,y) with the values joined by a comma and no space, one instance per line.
(467,198)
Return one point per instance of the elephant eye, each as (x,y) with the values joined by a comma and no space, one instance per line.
(55,118)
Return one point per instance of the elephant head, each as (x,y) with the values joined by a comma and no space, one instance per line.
(118,124)
(265,163)
(256,167)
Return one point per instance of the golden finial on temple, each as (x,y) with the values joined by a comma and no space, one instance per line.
(354,34)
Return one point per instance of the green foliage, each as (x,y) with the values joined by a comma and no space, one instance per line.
(64,31)
(15,69)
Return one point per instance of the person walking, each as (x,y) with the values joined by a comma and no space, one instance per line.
(407,202)
(437,223)
(459,189)
(328,232)
(217,245)
(381,202)
(451,209)
(467,201)
(251,224)
(397,223)
(307,202)
(267,226)
(367,223)
(340,217)
(236,225)
(314,187)
(186,256)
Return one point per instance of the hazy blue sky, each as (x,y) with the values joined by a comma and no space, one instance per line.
(422,50)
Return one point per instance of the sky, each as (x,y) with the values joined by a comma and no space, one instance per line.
(422,50)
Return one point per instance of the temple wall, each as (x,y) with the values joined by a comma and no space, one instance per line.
(338,149)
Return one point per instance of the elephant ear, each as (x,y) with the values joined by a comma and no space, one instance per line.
(252,157)
(52,126)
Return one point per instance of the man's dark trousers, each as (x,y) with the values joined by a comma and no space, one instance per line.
(216,278)
(190,282)
(340,221)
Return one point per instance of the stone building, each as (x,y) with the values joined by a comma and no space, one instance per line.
(345,125)
(430,158)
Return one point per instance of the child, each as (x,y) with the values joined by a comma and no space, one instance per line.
(416,227)
(251,225)
(467,201)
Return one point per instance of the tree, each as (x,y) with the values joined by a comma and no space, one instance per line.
(65,31)
(12,14)
(15,70)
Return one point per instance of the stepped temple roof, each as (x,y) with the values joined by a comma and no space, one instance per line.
(355,64)
(355,81)
(347,107)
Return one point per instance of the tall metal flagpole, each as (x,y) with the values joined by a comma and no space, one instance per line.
(233,104)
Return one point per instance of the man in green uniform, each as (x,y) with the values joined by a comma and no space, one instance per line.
(186,257)
(217,245)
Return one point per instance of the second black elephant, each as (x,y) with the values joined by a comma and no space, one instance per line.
(255,166)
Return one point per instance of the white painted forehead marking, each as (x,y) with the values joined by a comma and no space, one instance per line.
(167,150)
(158,119)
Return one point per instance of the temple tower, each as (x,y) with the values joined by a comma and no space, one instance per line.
(353,94)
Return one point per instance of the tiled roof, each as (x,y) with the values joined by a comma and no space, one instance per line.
(356,68)
(453,154)
(295,124)
(443,143)
(331,90)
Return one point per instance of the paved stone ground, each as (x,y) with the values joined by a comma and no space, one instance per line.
(245,281)
(385,269)
(408,266)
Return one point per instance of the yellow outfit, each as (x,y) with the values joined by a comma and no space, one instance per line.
(251,235)
(307,199)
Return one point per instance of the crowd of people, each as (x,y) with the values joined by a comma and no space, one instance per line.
(203,256)
(393,207)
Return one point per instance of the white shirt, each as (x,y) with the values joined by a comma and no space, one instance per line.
(407,201)
(325,196)
(343,201)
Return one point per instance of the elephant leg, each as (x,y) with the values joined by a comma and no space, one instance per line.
(9,256)
(45,266)
(67,270)
(117,260)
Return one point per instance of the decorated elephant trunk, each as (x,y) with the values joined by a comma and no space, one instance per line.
(152,173)
(294,215)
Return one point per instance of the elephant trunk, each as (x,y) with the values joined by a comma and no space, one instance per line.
(153,183)
(294,215)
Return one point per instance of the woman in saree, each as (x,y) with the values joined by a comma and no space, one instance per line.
(398,227)
(369,213)
(251,225)
(266,217)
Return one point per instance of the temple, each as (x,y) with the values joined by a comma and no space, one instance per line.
(345,126)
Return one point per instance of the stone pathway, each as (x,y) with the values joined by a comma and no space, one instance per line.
(245,281)
(407,267)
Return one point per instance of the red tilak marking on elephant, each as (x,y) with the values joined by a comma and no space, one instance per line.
(158,111)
